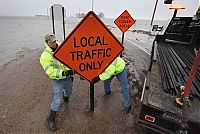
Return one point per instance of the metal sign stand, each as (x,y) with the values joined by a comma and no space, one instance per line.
(122,41)
(63,12)
(91,97)
(63,19)
(92,84)
(124,22)
(52,13)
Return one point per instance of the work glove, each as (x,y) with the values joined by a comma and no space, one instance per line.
(68,73)
(81,78)
(96,79)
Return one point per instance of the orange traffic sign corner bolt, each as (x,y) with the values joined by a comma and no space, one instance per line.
(87,50)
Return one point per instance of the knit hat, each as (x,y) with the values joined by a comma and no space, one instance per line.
(50,38)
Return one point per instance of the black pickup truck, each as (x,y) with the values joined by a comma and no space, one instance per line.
(171,60)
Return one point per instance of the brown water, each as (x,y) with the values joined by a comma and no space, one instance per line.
(20,35)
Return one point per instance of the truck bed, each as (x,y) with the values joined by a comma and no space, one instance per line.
(171,59)
(158,98)
(156,103)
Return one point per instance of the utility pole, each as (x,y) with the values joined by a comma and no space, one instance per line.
(92,4)
(154,11)
(47,12)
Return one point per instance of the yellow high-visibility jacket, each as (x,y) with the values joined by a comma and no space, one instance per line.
(116,67)
(52,67)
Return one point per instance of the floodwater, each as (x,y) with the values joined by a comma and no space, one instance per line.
(22,34)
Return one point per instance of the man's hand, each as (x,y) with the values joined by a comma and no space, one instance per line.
(96,79)
(68,73)
(81,78)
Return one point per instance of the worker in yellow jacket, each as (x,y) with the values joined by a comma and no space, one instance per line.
(60,75)
(116,68)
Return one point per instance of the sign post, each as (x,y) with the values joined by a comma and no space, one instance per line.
(58,13)
(89,49)
(53,19)
(124,22)
(91,97)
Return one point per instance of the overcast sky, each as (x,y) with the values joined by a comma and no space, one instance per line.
(139,9)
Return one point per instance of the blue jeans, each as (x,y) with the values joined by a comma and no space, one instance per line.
(122,78)
(58,87)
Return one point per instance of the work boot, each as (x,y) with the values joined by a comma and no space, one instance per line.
(66,99)
(127,109)
(108,93)
(51,121)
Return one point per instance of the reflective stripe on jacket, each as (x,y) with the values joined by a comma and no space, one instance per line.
(116,67)
(51,66)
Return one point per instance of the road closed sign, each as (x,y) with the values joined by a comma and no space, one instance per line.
(124,21)
(90,48)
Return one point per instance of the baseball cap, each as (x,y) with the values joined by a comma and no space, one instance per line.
(50,37)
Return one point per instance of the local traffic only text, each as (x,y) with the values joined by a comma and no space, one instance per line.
(92,49)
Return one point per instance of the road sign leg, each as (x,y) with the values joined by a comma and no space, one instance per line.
(122,38)
(91,97)
(122,42)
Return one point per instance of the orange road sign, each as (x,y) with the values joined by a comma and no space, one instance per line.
(124,21)
(90,48)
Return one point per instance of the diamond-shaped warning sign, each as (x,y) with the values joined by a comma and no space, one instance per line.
(124,21)
(90,47)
